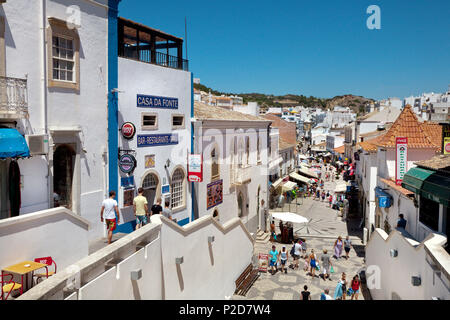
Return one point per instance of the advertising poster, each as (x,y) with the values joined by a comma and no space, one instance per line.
(214,194)
(195,168)
(263,259)
(401,160)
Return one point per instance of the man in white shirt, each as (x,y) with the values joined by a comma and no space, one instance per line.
(109,207)
(297,252)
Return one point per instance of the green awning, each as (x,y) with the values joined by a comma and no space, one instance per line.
(414,178)
(437,188)
(428,184)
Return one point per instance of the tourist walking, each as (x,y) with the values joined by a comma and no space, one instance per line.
(273,235)
(323,196)
(326,295)
(326,264)
(304,248)
(167,212)
(340,291)
(156,208)
(354,287)
(312,263)
(111,211)
(140,209)
(347,246)
(338,244)
(297,251)
(283,259)
(305,294)
(273,254)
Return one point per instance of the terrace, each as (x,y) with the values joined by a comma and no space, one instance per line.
(139,42)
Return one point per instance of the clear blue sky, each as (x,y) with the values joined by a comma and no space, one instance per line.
(310,47)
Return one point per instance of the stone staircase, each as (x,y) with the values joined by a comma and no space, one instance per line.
(262,237)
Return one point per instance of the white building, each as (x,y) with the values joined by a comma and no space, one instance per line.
(58,71)
(235,165)
(156,98)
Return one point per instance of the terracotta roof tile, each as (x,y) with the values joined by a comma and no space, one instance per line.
(434,132)
(370,145)
(407,125)
(392,184)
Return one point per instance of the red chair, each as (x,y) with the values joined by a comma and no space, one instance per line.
(10,286)
(48,261)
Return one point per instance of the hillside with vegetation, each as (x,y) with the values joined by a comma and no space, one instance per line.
(356,103)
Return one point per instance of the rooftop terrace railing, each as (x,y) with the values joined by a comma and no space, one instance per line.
(155,57)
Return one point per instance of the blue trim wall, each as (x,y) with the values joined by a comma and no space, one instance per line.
(113,79)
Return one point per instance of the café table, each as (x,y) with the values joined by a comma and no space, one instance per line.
(24,268)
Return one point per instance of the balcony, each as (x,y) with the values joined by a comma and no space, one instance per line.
(241,175)
(141,43)
(13,98)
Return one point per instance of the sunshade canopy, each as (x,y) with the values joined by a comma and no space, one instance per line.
(12,144)
(300,178)
(289,217)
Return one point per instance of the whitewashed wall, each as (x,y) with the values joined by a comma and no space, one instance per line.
(222,138)
(66,108)
(209,270)
(414,259)
(148,79)
(414,155)
(55,232)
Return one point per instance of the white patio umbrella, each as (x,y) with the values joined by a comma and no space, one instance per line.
(289,217)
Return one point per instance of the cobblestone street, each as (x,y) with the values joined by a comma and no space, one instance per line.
(320,232)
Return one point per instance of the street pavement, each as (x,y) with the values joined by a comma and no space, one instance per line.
(320,232)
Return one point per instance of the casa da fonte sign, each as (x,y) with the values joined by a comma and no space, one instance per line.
(144,101)
(150,140)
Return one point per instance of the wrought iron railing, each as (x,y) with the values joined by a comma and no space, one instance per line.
(13,95)
(155,57)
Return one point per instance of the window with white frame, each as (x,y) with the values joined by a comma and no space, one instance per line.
(177,188)
(63,58)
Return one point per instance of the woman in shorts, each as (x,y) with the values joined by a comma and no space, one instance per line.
(354,286)
(312,263)
(273,259)
(283,259)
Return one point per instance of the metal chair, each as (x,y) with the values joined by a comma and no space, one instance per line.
(48,261)
(10,286)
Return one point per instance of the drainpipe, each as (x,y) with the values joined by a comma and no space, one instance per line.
(43,9)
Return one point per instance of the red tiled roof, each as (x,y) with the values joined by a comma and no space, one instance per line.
(434,132)
(407,125)
(370,145)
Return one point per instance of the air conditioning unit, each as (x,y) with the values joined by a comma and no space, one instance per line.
(37,143)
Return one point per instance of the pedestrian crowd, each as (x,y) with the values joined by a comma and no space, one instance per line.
(315,265)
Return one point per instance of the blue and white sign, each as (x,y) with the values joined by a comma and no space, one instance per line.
(127,181)
(144,101)
(151,140)
(165,189)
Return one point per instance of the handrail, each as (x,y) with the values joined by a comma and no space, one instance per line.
(155,57)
